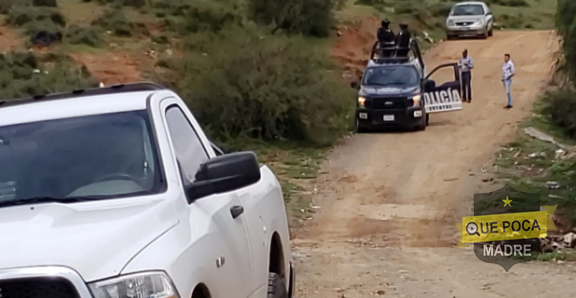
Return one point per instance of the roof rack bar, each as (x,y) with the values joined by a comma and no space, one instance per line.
(114,89)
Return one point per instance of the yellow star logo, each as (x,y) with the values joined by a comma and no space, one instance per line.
(507,202)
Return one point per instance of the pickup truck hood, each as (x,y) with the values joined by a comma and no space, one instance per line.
(97,239)
(389,90)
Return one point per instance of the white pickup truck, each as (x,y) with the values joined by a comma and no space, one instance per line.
(117,193)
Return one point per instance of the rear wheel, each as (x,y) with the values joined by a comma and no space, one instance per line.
(276,286)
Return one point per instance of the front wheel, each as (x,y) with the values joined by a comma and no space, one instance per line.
(358,128)
(491,31)
(427,119)
(276,286)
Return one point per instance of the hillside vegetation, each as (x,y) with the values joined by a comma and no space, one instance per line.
(258,74)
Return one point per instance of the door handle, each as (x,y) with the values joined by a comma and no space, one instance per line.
(236,211)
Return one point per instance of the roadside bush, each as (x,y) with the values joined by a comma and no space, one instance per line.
(91,35)
(566,28)
(268,88)
(308,17)
(24,75)
(115,21)
(560,108)
(132,3)
(5,5)
(21,15)
(48,3)
(185,17)
(509,3)
(512,21)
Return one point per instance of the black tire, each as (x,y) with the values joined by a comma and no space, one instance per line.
(358,128)
(491,32)
(421,127)
(484,35)
(427,119)
(276,286)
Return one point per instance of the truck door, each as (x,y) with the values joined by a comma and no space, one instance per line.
(230,259)
(444,97)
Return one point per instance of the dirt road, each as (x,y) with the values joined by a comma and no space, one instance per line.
(390,201)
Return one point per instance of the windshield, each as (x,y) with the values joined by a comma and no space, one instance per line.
(391,75)
(468,10)
(103,156)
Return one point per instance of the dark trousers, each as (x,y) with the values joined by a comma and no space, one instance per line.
(466,89)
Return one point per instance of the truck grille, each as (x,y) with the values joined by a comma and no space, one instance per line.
(464,23)
(37,288)
(390,103)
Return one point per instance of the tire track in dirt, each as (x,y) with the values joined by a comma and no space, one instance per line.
(390,230)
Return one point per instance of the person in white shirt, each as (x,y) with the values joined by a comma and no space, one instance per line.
(466,64)
(508,72)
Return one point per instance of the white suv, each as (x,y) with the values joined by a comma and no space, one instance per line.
(117,193)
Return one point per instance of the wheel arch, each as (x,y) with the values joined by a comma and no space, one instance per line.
(201,291)
(276,260)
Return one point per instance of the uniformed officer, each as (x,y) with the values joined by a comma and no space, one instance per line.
(386,38)
(403,41)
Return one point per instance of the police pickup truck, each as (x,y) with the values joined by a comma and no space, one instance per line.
(396,90)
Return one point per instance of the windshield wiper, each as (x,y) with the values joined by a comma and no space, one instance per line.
(36,200)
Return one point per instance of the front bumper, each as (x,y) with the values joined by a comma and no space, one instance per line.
(472,30)
(409,117)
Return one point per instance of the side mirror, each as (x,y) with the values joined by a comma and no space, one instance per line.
(225,173)
(429,85)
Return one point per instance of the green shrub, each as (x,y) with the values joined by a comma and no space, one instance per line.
(560,109)
(43,25)
(91,35)
(5,5)
(510,3)
(115,21)
(49,3)
(24,75)
(261,87)
(309,17)
(566,28)
(185,17)
(134,3)
(512,21)
(131,3)
(22,15)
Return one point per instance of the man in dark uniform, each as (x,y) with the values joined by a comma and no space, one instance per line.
(386,38)
(403,41)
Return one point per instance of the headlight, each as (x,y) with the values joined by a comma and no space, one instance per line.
(480,22)
(450,23)
(416,100)
(142,285)
(361,101)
